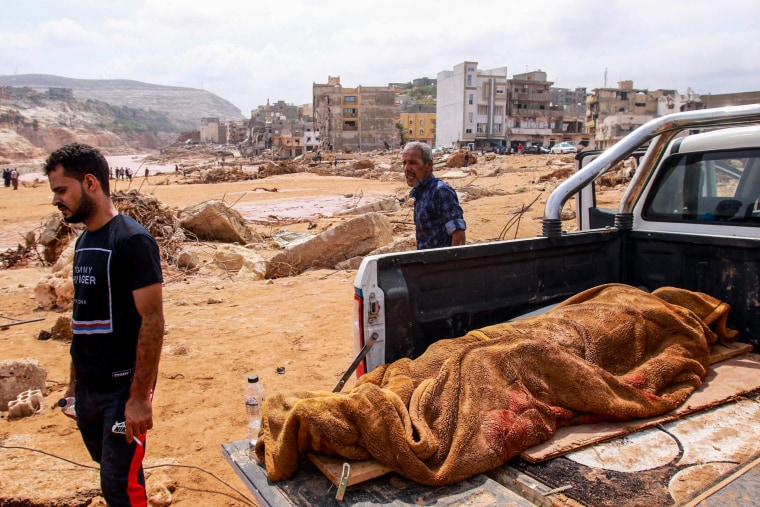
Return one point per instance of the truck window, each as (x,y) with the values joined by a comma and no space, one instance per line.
(715,187)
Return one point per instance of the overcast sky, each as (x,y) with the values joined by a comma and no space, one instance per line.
(248,51)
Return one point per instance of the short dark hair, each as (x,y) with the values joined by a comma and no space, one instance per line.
(77,160)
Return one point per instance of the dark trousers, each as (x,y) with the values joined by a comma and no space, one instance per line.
(121,474)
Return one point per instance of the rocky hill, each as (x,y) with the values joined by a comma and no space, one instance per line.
(184,106)
(40,113)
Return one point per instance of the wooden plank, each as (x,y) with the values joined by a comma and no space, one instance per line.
(332,467)
(724,381)
(720,352)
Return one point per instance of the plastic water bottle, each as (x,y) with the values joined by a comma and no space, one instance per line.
(67,406)
(254,397)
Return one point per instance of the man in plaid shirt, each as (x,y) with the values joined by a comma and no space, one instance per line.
(438,218)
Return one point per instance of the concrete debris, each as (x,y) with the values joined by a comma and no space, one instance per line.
(26,404)
(355,237)
(18,376)
(55,290)
(55,236)
(215,221)
(402,245)
(188,260)
(387,204)
(285,238)
(236,259)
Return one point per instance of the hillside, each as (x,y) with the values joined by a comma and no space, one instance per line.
(40,113)
(183,106)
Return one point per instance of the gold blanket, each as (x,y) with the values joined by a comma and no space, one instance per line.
(469,404)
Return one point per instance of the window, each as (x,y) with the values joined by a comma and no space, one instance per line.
(481,128)
(468,131)
(411,121)
(469,99)
(349,111)
(469,117)
(499,90)
(349,98)
(469,79)
(422,132)
(496,128)
(708,187)
(483,110)
(498,111)
(422,121)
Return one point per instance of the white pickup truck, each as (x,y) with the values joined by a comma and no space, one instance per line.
(690,218)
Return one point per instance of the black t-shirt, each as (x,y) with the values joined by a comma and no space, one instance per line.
(109,264)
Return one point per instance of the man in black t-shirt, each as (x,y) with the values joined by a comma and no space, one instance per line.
(117,320)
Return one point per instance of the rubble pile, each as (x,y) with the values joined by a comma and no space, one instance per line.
(225,174)
(281,167)
(157,218)
(456,159)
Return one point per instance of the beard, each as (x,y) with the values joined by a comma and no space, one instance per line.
(83,211)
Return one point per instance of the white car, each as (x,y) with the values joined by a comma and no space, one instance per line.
(564,148)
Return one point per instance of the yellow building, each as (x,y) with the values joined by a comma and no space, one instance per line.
(419,127)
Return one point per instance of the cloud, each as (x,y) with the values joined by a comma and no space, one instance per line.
(248,52)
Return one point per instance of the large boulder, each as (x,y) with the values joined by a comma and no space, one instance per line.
(55,236)
(355,237)
(215,221)
(387,204)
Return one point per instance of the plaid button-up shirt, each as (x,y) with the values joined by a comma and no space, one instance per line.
(437,213)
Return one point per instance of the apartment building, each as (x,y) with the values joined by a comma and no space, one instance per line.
(419,121)
(354,119)
(612,113)
(471,107)
(531,117)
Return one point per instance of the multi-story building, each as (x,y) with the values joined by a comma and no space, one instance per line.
(213,131)
(471,107)
(354,119)
(419,121)
(531,117)
(612,113)
(572,105)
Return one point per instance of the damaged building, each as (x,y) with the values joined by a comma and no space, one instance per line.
(354,119)
(485,110)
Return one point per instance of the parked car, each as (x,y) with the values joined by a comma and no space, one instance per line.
(564,148)
(536,149)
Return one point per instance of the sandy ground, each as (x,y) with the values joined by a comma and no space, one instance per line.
(220,329)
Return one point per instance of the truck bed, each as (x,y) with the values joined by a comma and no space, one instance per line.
(667,461)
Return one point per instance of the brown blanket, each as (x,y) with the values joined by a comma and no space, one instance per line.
(469,404)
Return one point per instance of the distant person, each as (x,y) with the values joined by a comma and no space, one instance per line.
(335,161)
(520,149)
(117,321)
(466,158)
(147,171)
(129,173)
(7,177)
(14,178)
(438,217)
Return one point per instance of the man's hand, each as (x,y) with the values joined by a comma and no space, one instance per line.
(458,238)
(138,415)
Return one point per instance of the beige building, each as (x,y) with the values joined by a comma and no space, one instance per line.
(354,119)
(213,131)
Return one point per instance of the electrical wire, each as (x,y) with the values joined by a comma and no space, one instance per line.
(243,496)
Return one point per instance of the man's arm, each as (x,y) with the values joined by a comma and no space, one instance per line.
(458,237)
(138,411)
